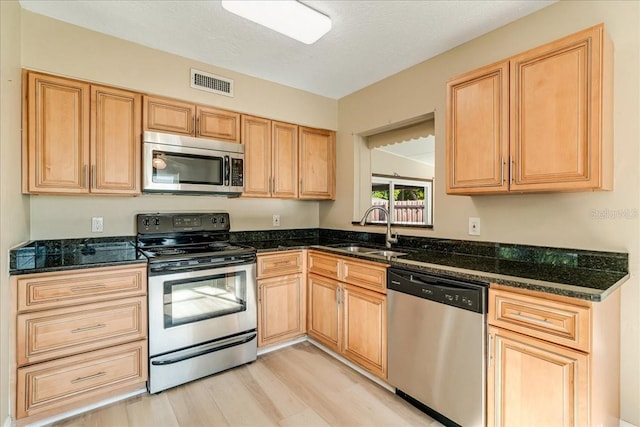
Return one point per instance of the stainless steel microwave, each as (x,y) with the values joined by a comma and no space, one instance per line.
(179,164)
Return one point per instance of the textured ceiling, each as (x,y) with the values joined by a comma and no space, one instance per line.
(370,40)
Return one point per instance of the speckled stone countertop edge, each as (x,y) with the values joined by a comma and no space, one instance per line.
(563,289)
(38,270)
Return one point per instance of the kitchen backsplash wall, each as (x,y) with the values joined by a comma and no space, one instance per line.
(63,217)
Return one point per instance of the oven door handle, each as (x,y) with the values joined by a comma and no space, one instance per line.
(225,344)
(220,264)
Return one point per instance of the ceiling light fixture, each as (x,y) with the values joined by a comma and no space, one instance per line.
(288,17)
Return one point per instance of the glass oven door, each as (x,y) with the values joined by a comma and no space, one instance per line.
(191,307)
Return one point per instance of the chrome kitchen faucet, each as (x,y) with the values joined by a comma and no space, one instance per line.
(390,238)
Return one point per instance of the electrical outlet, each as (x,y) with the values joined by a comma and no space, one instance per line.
(97,224)
(474,226)
(276,220)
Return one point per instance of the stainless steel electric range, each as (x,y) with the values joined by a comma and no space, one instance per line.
(202,297)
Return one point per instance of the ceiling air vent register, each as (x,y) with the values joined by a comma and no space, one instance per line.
(211,83)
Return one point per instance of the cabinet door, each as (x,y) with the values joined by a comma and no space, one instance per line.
(478,130)
(557,124)
(115,141)
(317,163)
(281,309)
(56,149)
(285,160)
(324,317)
(217,124)
(169,115)
(535,383)
(365,329)
(256,138)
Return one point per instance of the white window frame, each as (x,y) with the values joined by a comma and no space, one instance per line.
(415,182)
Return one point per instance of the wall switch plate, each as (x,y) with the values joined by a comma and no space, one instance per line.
(474,226)
(276,220)
(97,224)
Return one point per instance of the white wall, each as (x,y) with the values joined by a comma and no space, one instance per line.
(59,48)
(14,208)
(560,219)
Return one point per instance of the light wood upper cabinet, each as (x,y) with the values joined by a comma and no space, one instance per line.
(184,118)
(56,134)
(284,155)
(555,103)
(115,141)
(271,158)
(478,131)
(217,124)
(79,138)
(552,360)
(169,115)
(317,163)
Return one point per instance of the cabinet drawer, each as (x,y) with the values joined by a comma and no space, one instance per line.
(552,320)
(279,264)
(53,290)
(93,376)
(366,275)
(324,265)
(48,334)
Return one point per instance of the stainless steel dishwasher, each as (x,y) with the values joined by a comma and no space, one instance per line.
(437,345)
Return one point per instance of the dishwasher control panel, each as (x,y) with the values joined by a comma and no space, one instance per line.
(467,295)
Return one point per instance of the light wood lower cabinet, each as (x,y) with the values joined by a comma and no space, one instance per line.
(80,338)
(281,297)
(62,384)
(536,383)
(553,360)
(325,319)
(348,308)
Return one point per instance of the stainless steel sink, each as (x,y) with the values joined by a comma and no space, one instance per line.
(358,249)
(371,251)
(387,253)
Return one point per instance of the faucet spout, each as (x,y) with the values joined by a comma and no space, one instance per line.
(389,238)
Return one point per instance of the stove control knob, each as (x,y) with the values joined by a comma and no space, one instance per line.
(214,220)
(156,221)
(145,222)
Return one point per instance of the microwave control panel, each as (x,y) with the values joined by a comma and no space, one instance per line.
(237,172)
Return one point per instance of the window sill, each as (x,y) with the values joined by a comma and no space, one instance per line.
(393,225)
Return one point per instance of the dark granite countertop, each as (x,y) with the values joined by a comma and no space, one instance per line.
(55,255)
(589,275)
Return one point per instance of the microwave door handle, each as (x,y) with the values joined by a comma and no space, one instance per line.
(227,166)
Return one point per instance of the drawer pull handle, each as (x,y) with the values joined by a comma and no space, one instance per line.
(88,377)
(88,328)
(88,288)
(524,317)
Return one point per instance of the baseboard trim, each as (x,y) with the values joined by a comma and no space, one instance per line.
(279,346)
(84,409)
(8,422)
(623,423)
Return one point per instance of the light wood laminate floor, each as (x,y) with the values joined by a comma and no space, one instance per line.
(296,386)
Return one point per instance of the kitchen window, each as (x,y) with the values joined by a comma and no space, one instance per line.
(408,200)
